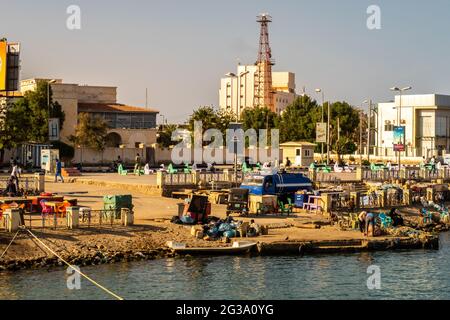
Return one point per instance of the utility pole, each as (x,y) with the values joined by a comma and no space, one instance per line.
(329,136)
(360,137)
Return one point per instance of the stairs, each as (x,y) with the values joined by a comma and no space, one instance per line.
(70,172)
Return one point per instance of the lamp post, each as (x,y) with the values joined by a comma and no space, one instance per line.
(369,126)
(399,114)
(48,108)
(323,101)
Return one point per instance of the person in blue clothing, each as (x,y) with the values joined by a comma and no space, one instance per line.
(58,171)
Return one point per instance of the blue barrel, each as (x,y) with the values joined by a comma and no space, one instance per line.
(300,199)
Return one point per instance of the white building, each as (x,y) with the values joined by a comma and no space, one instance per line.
(427,125)
(237,90)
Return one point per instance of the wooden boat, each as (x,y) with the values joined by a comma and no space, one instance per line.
(238,247)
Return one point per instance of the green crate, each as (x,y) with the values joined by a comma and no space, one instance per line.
(118,202)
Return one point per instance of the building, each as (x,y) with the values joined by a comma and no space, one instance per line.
(427,125)
(237,91)
(301,154)
(131,127)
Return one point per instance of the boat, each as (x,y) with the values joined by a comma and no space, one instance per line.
(238,247)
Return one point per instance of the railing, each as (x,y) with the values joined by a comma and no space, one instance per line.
(27,184)
(177,179)
(87,218)
(206,178)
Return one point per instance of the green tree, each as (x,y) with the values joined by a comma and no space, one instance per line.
(90,132)
(165,136)
(344,146)
(348,118)
(259,118)
(298,121)
(40,106)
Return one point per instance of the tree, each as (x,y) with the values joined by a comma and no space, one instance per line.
(165,136)
(41,107)
(298,121)
(348,118)
(90,132)
(259,118)
(344,146)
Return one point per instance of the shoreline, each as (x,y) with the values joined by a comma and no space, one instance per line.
(90,255)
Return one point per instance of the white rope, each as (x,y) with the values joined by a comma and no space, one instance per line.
(75,269)
(9,245)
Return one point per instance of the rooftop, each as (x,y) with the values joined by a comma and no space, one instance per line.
(297,144)
(112,108)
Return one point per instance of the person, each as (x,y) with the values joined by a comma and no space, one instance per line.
(288,163)
(389,165)
(15,174)
(254,229)
(370,225)
(58,171)
(137,166)
(11,190)
(397,219)
(147,170)
(362,221)
(433,164)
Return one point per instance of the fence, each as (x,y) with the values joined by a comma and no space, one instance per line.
(87,219)
(206,178)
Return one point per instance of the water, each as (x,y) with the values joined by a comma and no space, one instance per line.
(418,274)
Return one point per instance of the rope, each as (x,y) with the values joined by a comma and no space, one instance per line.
(9,245)
(81,273)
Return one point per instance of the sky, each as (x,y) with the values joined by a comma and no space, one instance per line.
(179,49)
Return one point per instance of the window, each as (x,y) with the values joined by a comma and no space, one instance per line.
(441,126)
(297,152)
(307,153)
(388,127)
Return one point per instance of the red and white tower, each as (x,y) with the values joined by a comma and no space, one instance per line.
(263,76)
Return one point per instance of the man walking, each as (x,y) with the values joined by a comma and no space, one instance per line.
(58,171)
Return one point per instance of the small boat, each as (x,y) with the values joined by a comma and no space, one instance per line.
(238,247)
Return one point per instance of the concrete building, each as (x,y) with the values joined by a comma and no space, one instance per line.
(237,91)
(427,125)
(130,127)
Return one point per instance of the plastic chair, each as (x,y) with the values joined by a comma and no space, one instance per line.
(171,170)
(121,171)
(427,217)
(284,208)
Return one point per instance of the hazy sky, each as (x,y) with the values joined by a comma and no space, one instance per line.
(180,49)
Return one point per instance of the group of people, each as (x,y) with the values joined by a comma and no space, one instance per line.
(367,221)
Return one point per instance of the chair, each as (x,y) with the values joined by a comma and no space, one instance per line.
(45,209)
(121,171)
(385,221)
(187,169)
(427,217)
(171,170)
(285,208)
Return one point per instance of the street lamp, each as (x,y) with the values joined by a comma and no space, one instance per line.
(48,107)
(323,99)
(399,113)
(369,128)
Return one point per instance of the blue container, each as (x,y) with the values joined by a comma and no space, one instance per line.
(300,199)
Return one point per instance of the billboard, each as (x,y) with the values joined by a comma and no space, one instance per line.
(399,139)
(321,132)
(3,55)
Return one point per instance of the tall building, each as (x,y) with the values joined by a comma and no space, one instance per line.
(237,90)
(426,119)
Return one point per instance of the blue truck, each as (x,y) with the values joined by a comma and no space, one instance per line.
(279,184)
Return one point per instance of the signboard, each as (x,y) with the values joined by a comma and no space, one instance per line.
(321,132)
(13,68)
(53,129)
(399,138)
(3,55)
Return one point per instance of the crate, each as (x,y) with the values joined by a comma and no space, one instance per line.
(117,202)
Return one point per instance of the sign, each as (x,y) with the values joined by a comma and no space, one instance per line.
(399,138)
(53,129)
(321,132)
(13,67)
(3,55)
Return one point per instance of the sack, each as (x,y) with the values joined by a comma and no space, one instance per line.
(229,234)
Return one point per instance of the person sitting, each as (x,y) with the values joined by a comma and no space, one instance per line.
(147,170)
(288,163)
(11,189)
(397,219)
(254,229)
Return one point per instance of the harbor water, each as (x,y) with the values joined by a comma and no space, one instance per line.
(409,274)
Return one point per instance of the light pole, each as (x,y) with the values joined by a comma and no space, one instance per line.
(323,99)
(369,126)
(399,114)
(48,108)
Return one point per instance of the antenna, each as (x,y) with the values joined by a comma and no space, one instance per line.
(263,76)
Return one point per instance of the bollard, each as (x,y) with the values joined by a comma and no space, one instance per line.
(430,194)
(160,179)
(127,217)
(73,217)
(39,182)
(359,174)
(407,197)
(327,203)
(12,219)
(355,197)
